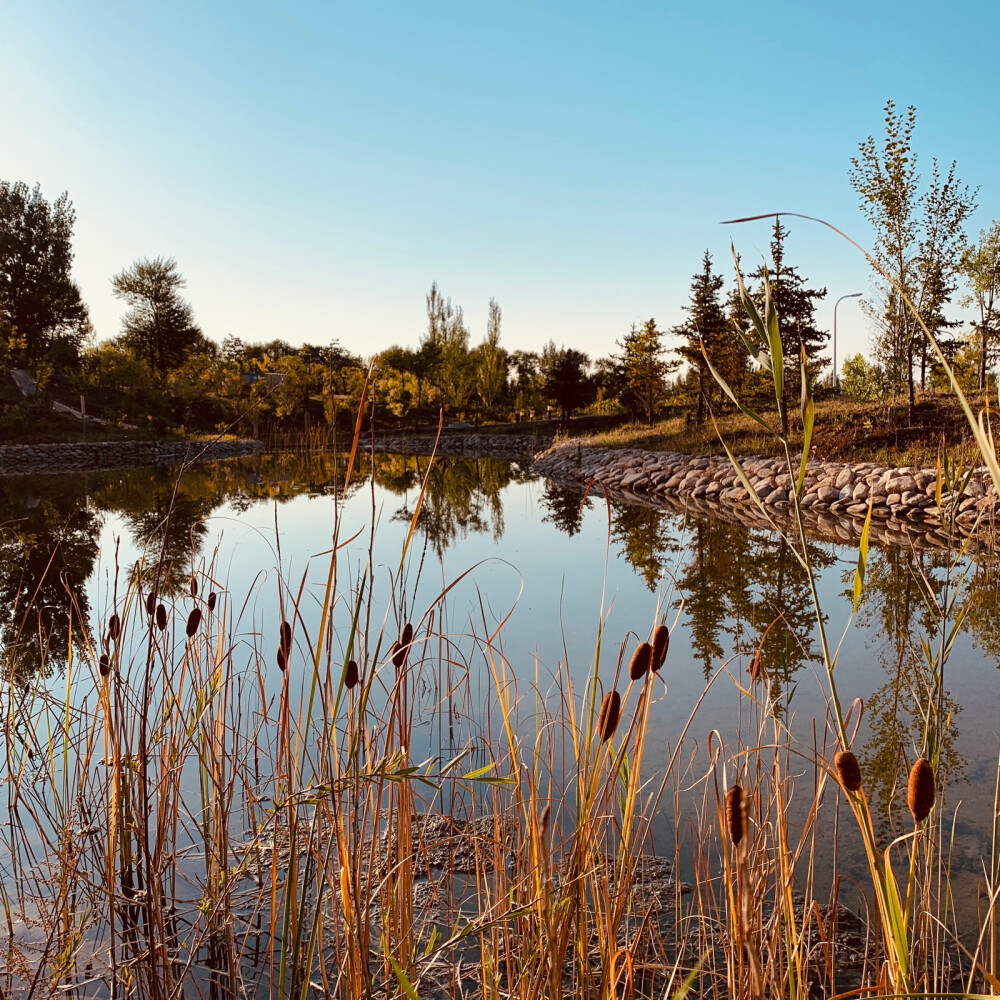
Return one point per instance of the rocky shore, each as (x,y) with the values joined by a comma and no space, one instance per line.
(25,459)
(835,499)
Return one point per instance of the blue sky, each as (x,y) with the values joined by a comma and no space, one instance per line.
(313,167)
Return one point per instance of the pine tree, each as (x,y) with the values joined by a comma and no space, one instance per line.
(644,370)
(708,327)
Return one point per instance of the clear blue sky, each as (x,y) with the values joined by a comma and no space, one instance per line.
(313,167)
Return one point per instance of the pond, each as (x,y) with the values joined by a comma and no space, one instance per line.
(501,567)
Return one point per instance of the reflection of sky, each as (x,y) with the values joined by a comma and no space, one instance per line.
(554,582)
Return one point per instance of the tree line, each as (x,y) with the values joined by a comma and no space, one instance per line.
(161,370)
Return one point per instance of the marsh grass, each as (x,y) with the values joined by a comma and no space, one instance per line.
(191,817)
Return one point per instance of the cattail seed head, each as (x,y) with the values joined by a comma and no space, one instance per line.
(398,654)
(104,665)
(661,642)
(161,617)
(194,586)
(407,635)
(756,667)
(351,675)
(194,620)
(920,790)
(848,770)
(212,598)
(640,661)
(734,814)
(607,718)
(151,603)
(285,639)
(282,660)
(114,626)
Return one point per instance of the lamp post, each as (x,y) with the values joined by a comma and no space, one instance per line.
(850,295)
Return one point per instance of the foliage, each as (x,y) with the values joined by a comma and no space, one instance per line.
(862,380)
(643,371)
(980,266)
(564,381)
(41,311)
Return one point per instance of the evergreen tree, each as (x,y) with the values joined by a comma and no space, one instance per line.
(795,304)
(708,327)
(644,370)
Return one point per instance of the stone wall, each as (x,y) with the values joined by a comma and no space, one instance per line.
(474,444)
(835,496)
(22,459)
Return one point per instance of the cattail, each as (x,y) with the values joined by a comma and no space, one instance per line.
(161,617)
(756,666)
(545,819)
(640,661)
(285,639)
(212,598)
(661,642)
(407,636)
(104,664)
(920,790)
(848,770)
(194,586)
(607,718)
(398,655)
(282,660)
(351,675)
(194,620)
(151,603)
(114,627)
(734,814)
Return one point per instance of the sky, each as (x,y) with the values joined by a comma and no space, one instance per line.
(313,167)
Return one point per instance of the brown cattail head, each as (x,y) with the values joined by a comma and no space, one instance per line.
(161,617)
(407,635)
(640,661)
(104,664)
(194,620)
(114,626)
(285,639)
(151,603)
(194,586)
(282,660)
(351,675)
(848,770)
(661,642)
(920,790)
(607,718)
(212,598)
(756,667)
(398,654)
(734,814)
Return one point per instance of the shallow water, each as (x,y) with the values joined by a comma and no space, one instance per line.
(549,566)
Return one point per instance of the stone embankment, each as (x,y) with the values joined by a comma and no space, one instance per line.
(24,459)
(835,497)
(473,445)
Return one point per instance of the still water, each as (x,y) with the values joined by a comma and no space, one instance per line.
(505,548)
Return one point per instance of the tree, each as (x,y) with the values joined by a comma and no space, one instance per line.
(862,380)
(40,305)
(159,326)
(707,331)
(491,371)
(795,304)
(980,265)
(918,240)
(644,370)
(563,372)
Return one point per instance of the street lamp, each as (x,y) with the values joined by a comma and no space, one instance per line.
(851,295)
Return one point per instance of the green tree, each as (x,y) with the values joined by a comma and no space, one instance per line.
(918,241)
(980,267)
(644,370)
(564,378)
(159,326)
(861,379)
(491,370)
(41,311)
(795,304)
(708,331)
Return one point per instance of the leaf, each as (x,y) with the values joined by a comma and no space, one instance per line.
(403,980)
(859,573)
